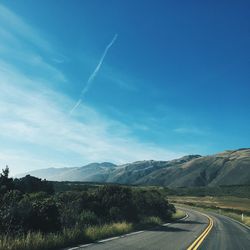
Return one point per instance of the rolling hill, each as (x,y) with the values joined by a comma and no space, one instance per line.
(231,167)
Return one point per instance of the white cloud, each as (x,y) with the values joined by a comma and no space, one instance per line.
(22,44)
(38,117)
(17,26)
(35,127)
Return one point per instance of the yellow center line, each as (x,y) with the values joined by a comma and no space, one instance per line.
(204,234)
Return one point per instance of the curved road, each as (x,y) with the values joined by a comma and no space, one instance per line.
(225,234)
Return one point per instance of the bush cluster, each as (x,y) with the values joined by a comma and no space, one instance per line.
(30,205)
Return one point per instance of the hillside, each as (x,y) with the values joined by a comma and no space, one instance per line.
(231,167)
(98,172)
(227,168)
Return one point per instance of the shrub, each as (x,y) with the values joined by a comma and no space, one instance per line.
(115,214)
(20,213)
(113,197)
(10,219)
(152,203)
(44,216)
(6,183)
(31,184)
(87,218)
(32,218)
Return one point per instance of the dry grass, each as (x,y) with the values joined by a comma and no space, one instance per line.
(69,237)
(235,204)
(178,214)
(39,241)
(151,221)
(108,230)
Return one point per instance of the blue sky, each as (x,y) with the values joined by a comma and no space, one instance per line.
(120,81)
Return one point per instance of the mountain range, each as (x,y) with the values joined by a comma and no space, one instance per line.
(231,167)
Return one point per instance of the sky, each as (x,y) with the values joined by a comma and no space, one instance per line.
(121,81)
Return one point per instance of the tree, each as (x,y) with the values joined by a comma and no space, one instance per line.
(114,198)
(6,183)
(31,184)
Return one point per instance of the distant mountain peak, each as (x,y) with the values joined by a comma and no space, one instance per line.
(230,167)
(102,164)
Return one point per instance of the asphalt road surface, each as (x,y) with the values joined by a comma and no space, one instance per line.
(225,234)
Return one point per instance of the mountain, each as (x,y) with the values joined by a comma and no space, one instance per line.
(92,172)
(231,167)
(134,173)
(227,168)
(46,173)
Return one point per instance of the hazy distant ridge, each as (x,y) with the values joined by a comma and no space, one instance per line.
(231,167)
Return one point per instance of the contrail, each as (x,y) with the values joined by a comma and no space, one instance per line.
(93,75)
(75,106)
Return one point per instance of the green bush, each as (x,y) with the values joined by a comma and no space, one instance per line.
(10,214)
(114,197)
(31,184)
(33,217)
(152,203)
(87,218)
(20,213)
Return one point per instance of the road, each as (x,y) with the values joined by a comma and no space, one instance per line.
(225,234)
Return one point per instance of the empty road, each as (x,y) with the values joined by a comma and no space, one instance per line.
(227,234)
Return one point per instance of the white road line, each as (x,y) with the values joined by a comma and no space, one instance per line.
(81,246)
(109,239)
(138,232)
(166,224)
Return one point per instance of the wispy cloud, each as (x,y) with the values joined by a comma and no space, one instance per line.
(22,44)
(35,129)
(190,130)
(17,26)
(94,73)
(36,118)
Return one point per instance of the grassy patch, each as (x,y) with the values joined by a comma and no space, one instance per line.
(246,218)
(69,237)
(108,230)
(74,236)
(39,241)
(227,203)
(151,221)
(178,214)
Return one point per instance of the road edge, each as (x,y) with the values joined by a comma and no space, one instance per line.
(242,224)
(212,211)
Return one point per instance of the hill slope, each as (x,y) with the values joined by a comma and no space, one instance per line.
(227,168)
(231,167)
(92,172)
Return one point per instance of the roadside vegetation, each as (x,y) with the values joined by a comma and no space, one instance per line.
(33,216)
(241,191)
(178,214)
